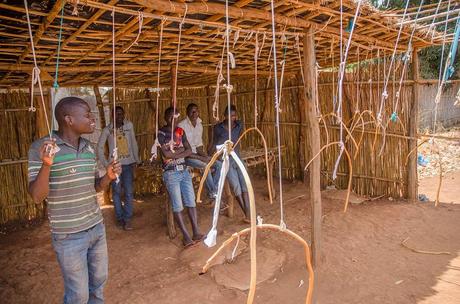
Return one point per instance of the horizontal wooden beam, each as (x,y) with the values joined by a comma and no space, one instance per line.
(211,8)
(124,68)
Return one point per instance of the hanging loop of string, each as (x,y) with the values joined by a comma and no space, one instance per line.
(140,18)
(36,75)
(156,144)
(220,78)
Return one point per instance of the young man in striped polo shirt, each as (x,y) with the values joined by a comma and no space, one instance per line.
(63,171)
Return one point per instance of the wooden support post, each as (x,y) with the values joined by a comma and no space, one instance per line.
(172,232)
(313,139)
(230,200)
(173,84)
(412,184)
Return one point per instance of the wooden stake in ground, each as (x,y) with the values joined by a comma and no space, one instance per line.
(412,187)
(313,140)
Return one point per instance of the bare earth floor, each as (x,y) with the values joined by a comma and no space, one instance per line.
(362,257)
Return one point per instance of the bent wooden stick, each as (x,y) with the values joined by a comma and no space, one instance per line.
(237,235)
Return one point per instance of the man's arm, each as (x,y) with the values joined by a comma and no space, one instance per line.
(200,155)
(113,169)
(39,183)
(101,147)
(183,152)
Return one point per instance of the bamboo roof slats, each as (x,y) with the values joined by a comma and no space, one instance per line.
(86,39)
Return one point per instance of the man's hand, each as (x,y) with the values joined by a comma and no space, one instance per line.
(113,170)
(46,152)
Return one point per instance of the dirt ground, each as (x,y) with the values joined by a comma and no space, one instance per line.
(362,260)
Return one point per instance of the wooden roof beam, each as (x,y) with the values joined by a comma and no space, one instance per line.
(120,69)
(127,29)
(83,27)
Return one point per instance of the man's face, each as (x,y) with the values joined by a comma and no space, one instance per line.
(119,116)
(193,114)
(172,119)
(233,116)
(81,120)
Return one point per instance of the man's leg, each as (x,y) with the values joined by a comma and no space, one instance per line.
(235,186)
(116,197)
(217,166)
(97,264)
(188,195)
(245,194)
(172,180)
(128,178)
(71,251)
(210,184)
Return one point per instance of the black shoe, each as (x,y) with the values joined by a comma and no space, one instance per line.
(120,224)
(128,226)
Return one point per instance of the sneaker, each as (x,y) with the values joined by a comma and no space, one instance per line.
(128,226)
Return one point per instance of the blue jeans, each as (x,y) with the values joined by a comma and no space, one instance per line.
(236,179)
(180,189)
(124,212)
(211,182)
(84,264)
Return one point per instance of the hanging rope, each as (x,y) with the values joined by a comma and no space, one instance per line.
(36,76)
(114,112)
(174,99)
(228,87)
(56,74)
(140,18)
(156,144)
(340,82)
(448,68)
(220,78)
(406,60)
(387,77)
(277,120)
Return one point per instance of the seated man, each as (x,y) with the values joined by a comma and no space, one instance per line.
(199,158)
(176,177)
(235,176)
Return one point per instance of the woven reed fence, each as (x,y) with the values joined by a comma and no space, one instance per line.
(373,174)
(378,169)
(20,128)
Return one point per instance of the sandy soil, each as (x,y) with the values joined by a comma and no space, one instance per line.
(362,257)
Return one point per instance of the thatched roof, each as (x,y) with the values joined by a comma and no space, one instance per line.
(86,50)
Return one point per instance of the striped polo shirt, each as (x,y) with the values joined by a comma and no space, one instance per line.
(72,203)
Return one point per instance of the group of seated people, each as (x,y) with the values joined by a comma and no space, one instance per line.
(182,148)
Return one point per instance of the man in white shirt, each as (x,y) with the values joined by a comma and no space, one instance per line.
(199,158)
